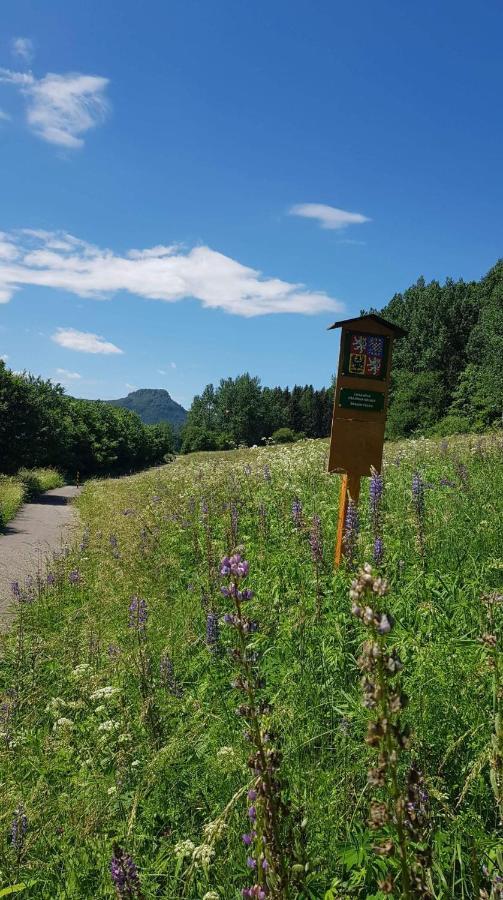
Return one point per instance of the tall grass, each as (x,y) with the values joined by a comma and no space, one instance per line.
(122,746)
(26,485)
(12,495)
(37,481)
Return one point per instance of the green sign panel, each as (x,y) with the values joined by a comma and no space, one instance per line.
(367,401)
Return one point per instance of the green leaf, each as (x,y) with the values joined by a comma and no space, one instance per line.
(13,889)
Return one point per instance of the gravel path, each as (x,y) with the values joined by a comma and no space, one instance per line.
(38,529)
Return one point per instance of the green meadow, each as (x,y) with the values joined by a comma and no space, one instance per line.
(120,684)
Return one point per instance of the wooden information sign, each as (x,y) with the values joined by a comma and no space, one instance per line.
(360,405)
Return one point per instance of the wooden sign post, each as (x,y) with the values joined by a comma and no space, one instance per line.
(360,406)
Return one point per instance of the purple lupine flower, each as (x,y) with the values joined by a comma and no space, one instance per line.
(297,513)
(74,577)
(138,613)
(85,539)
(212,632)
(15,589)
(113,651)
(124,875)
(18,829)
(351,529)
(418,492)
(315,540)
(378,551)
(167,673)
(234,565)
(51,578)
(247,839)
(375,491)
(112,540)
(267,473)
(462,473)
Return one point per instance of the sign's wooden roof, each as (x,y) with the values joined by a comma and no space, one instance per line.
(360,320)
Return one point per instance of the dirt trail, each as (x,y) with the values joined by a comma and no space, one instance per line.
(38,529)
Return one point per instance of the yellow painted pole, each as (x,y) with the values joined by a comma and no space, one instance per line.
(350,490)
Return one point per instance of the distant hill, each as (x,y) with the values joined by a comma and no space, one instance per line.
(153,406)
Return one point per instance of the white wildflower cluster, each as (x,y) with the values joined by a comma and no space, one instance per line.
(82,671)
(213,831)
(109,725)
(203,855)
(104,693)
(55,705)
(184,849)
(211,895)
(63,724)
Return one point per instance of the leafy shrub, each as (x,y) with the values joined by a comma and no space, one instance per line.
(451,424)
(284,436)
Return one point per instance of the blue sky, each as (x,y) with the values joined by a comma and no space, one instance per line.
(177,179)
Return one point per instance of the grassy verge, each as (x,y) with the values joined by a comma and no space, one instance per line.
(27,484)
(12,496)
(119,714)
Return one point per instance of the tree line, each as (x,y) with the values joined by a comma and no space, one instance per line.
(447,375)
(41,426)
(241,411)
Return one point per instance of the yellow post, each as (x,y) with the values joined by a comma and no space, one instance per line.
(350,490)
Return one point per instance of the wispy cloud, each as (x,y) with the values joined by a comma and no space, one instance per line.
(61,108)
(64,262)
(22,48)
(68,376)
(83,341)
(328,216)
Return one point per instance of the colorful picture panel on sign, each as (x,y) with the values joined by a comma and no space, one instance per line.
(365,355)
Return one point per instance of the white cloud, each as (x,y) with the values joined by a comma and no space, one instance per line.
(61,108)
(328,216)
(83,341)
(59,260)
(68,376)
(22,48)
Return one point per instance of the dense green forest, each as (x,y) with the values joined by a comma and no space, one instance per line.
(447,375)
(41,426)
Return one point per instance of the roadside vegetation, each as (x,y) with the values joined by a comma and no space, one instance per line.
(27,484)
(194,705)
(41,426)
